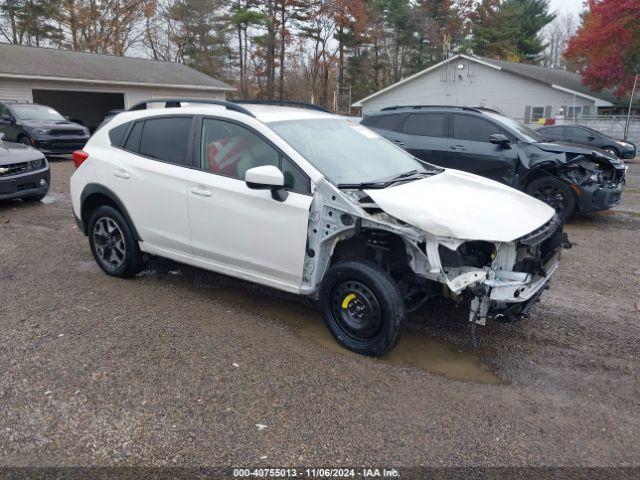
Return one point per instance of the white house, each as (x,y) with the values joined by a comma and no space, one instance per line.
(86,85)
(521,91)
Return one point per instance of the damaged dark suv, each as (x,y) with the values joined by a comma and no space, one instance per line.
(566,176)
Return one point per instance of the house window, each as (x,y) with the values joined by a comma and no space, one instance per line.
(574,113)
(536,114)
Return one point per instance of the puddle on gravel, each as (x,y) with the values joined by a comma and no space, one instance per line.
(415,349)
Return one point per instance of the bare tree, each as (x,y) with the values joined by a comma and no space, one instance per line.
(556,35)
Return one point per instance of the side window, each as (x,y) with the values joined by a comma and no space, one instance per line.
(166,139)
(426,124)
(3,110)
(133,140)
(294,178)
(230,149)
(578,134)
(116,135)
(391,122)
(554,133)
(475,129)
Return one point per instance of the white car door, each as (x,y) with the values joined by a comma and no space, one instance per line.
(246,231)
(150,175)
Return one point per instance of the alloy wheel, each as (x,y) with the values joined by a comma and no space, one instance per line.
(109,243)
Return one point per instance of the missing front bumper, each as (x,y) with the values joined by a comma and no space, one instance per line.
(509,294)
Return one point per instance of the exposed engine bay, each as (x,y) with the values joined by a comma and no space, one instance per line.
(501,278)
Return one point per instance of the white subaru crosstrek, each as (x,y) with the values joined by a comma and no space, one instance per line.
(312,203)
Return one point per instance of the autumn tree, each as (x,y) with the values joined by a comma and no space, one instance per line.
(109,26)
(441,26)
(606,47)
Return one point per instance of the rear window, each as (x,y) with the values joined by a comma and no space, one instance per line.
(116,135)
(426,124)
(166,139)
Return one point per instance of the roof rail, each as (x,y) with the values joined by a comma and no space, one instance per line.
(3,100)
(461,107)
(285,103)
(417,107)
(486,109)
(176,102)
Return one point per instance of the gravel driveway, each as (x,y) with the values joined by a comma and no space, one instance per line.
(184,367)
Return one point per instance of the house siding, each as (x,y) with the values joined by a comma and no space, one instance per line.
(479,85)
(23,90)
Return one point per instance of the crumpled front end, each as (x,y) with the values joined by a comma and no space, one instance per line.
(498,257)
(598,185)
(513,274)
(596,178)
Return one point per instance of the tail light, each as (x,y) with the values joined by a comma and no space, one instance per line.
(79,156)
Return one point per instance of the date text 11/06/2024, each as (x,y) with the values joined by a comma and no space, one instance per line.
(316,473)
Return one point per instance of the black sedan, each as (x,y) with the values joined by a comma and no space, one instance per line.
(587,136)
(24,172)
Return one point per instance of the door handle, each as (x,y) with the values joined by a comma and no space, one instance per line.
(458,147)
(121,174)
(201,192)
(399,142)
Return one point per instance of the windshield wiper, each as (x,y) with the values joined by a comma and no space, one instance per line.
(363,185)
(410,173)
(384,182)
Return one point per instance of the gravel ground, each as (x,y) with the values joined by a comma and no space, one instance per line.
(179,366)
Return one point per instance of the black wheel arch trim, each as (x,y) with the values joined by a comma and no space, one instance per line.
(95,188)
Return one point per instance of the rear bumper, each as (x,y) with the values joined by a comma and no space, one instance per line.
(25,185)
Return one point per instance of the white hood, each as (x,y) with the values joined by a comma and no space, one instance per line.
(463,206)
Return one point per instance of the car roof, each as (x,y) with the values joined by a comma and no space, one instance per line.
(276,113)
(264,113)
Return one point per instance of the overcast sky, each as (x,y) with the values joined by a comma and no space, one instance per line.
(571,6)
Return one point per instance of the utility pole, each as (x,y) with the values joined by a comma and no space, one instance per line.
(633,91)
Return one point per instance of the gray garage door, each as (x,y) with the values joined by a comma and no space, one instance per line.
(88,107)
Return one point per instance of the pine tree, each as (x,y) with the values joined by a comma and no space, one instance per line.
(510,30)
(28,22)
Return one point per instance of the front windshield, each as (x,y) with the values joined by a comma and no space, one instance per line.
(36,112)
(347,153)
(528,134)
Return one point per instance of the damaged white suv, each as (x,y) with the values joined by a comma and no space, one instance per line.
(312,203)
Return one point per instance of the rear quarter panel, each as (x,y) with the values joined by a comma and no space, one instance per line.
(92,170)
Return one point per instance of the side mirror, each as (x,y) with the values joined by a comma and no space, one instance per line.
(267,177)
(6,119)
(499,139)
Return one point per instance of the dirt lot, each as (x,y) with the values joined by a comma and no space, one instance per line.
(178,366)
